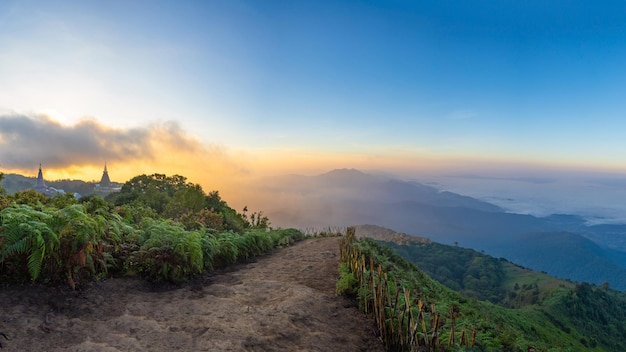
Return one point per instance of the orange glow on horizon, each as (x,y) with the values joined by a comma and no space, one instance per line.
(234,174)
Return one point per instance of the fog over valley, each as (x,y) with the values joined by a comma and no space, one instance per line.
(599,198)
(534,217)
(596,197)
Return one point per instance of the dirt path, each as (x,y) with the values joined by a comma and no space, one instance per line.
(282,302)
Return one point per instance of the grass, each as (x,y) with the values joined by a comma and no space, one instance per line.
(515,274)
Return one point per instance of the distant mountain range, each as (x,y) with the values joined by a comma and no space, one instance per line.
(562,245)
(15,183)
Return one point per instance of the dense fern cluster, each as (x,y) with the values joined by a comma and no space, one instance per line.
(171,233)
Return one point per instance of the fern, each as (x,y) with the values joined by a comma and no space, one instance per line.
(25,233)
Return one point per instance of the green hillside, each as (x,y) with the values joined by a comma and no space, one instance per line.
(510,307)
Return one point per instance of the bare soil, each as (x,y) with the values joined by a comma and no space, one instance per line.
(284,301)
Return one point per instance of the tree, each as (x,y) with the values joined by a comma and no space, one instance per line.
(155,191)
(62,200)
(214,202)
(4,201)
(95,204)
(29,197)
(259,221)
(2,190)
(190,199)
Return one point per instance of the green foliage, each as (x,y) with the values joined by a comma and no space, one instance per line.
(461,269)
(582,319)
(255,220)
(175,198)
(253,243)
(169,252)
(4,201)
(215,203)
(536,310)
(2,190)
(25,237)
(80,238)
(73,186)
(29,197)
(210,246)
(226,252)
(69,243)
(597,311)
(347,283)
(162,228)
(62,200)
(12,183)
(154,190)
(286,237)
(95,204)
(190,199)
(135,213)
(201,219)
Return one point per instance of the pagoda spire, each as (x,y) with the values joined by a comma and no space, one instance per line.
(40,186)
(105,181)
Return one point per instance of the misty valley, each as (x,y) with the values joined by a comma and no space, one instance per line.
(560,244)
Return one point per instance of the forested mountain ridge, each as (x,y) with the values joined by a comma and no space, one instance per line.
(13,183)
(567,255)
(587,317)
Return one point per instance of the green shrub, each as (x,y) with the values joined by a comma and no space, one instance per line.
(347,283)
(227,251)
(170,253)
(26,242)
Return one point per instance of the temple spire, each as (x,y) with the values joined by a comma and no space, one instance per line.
(40,186)
(105,181)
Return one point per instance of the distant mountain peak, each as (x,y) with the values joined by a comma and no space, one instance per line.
(381,233)
(344,173)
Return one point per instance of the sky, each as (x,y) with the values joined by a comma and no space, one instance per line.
(222,91)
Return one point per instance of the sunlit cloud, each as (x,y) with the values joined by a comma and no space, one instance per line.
(29,140)
(79,151)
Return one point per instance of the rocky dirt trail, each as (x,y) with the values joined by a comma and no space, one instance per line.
(284,301)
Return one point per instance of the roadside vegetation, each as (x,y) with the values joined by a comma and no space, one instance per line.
(509,308)
(159,227)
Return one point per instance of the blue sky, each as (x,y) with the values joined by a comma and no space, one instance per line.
(368,84)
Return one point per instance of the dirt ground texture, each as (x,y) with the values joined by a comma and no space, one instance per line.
(284,301)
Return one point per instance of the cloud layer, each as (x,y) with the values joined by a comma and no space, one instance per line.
(79,151)
(25,141)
